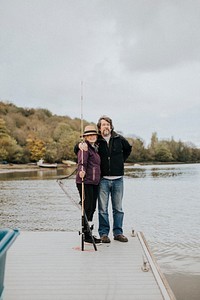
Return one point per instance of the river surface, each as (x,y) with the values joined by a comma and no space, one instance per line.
(161,201)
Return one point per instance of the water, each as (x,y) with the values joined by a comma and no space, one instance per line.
(165,206)
(161,201)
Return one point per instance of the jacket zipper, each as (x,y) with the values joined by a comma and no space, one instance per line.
(109,151)
(93,174)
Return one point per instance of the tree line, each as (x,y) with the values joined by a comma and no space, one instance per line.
(27,135)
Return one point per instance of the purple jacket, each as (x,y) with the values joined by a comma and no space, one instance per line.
(91,165)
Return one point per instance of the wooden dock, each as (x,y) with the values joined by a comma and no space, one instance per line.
(51,266)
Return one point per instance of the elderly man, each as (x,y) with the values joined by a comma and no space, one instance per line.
(113,149)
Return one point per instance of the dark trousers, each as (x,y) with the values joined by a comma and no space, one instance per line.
(90,199)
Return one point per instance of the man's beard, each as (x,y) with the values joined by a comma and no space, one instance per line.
(106,132)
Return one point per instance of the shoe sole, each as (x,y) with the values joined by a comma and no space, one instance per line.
(121,241)
(91,244)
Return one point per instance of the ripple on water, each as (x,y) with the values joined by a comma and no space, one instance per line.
(160,201)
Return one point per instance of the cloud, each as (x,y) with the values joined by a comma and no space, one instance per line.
(139,61)
(159,34)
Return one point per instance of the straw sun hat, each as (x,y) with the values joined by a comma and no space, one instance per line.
(90,129)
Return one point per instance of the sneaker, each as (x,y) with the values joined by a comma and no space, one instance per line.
(105,239)
(89,240)
(120,238)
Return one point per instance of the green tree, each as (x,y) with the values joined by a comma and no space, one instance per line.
(9,150)
(3,129)
(138,150)
(183,152)
(163,154)
(65,138)
(3,153)
(153,146)
(51,154)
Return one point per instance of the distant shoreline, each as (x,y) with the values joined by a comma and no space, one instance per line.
(8,168)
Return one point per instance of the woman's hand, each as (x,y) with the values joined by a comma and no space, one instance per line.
(82,174)
(83,146)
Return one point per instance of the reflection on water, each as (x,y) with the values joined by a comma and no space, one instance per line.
(158,171)
(36,174)
(162,201)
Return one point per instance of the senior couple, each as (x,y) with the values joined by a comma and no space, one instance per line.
(101,167)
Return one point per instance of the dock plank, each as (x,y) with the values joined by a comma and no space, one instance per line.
(51,266)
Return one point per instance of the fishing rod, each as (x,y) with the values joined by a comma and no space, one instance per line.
(82,233)
(80,205)
(84,220)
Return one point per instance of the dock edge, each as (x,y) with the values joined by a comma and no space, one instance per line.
(165,289)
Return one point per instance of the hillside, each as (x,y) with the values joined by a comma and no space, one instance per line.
(28,134)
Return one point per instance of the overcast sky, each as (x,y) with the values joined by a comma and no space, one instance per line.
(139,61)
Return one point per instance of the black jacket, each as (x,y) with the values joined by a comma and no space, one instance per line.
(113,155)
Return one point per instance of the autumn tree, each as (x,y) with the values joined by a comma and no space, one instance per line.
(36,148)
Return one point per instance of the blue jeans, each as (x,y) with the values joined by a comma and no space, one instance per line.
(113,188)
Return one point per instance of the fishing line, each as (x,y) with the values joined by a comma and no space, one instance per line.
(68,176)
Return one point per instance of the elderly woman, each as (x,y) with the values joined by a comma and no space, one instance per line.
(89,173)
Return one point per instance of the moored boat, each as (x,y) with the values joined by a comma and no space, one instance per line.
(42,164)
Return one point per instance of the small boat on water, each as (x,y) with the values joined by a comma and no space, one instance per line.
(42,164)
(69,163)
